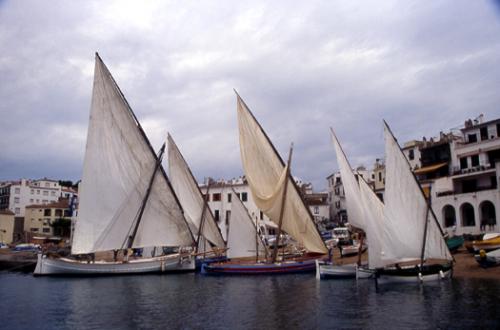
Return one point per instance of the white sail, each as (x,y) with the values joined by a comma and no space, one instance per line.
(117,169)
(243,238)
(190,196)
(374,221)
(406,211)
(266,175)
(351,187)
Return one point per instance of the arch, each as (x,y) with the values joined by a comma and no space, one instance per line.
(468,217)
(487,215)
(449,216)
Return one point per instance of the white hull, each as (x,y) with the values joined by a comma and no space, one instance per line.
(350,250)
(65,266)
(326,270)
(394,279)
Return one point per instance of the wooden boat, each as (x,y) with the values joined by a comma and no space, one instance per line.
(454,243)
(365,211)
(486,244)
(276,194)
(488,259)
(126,199)
(412,232)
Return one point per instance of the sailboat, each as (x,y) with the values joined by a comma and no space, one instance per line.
(413,247)
(276,194)
(126,199)
(210,245)
(359,216)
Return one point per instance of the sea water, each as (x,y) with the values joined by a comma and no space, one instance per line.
(194,301)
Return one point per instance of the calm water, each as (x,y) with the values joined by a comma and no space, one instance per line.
(195,301)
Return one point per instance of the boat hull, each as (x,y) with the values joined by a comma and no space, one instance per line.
(287,267)
(490,259)
(351,250)
(65,266)
(414,274)
(326,270)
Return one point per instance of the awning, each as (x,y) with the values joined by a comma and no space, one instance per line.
(431,168)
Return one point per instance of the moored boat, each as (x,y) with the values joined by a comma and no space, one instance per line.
(488,244)
(454,243)
(126,199)
(488,259)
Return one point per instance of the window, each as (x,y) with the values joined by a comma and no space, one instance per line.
(58,213)
(47,184)
(46,230)
(67,213)
(216,197)
(229,198)
(17,190)
(337,191)
(379,176)
(52,193)
(244,197)
(38,191)
(34,229)
(32,191)
(45,193)
(411,154)
(16,199)
(17,210)
(216,215)
(47,213)
(463,163)
(474,160)
(484,133)
(31,200)
(261,215)
(472,138)
(228,217)
(498,130)
(316,210)
(373,176)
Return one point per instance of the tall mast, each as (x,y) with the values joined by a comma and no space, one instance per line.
(282,209)
(131,238)
(422,255)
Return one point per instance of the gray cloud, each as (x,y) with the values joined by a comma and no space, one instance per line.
(300,66)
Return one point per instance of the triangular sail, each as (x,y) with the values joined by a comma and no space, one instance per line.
(118,166)
(266,175)
(406,211)
(243,237)
(190,196)
(351,187)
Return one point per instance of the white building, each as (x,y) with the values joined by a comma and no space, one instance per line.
(16,195)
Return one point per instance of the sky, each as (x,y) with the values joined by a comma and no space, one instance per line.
(301,67)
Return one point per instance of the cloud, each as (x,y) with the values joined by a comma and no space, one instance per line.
(301,67)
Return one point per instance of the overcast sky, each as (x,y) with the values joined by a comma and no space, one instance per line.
(301,66)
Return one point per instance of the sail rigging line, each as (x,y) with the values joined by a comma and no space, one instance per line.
(148,143)
(418,185)
(202,220)
(422,256)
(131,238)
(282,209)
(170,138)
(294,184)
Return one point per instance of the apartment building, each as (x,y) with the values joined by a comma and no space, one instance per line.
(40,218)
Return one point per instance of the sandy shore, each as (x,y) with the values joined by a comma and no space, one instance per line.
(465,265)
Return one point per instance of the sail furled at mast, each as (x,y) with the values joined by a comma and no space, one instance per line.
(266,175)
(190,196)
(243,237)
(118,165)
(406,211)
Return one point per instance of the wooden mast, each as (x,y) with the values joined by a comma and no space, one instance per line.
(282,209)
(131,237)
(422,255)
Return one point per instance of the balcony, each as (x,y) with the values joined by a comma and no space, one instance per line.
(463,172)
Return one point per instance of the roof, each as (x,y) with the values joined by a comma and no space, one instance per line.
(7,212)
(431,168)
(60,204)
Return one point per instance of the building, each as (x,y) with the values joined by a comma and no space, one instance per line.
(43,218)
(7,224)
(319,207)
(16,195)
(467,200)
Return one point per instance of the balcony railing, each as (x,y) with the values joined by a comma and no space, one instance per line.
(457,170)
